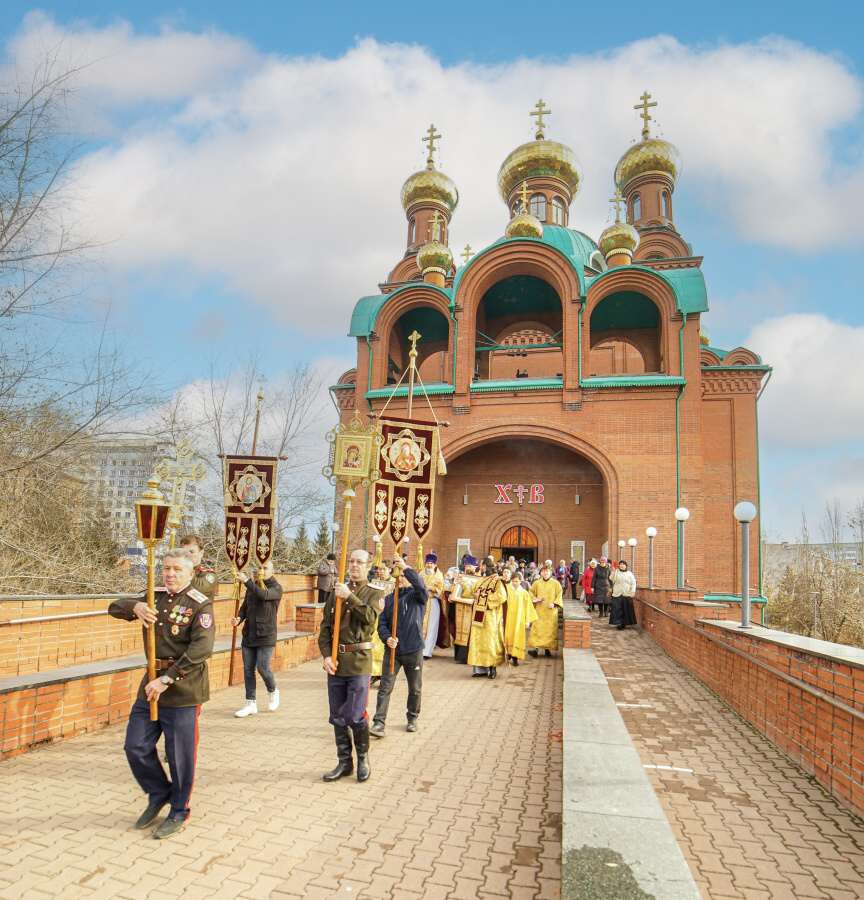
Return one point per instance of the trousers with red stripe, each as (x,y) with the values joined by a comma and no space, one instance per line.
(180,727)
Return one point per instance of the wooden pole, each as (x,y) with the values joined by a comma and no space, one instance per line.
(259,400)
(348,495)
(234,628)
(151,628)
(397,574)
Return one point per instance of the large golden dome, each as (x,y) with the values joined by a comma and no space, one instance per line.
(434,255)
(429,186)
(619,237)
(649,155)
(539,159)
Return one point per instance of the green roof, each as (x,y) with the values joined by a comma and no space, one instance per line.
(367,308)
(517,384)
(688,286)
(625,381)
(720,354)
(624,309)
(438,388)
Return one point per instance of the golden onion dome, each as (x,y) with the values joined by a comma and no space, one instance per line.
(649,155)
(539,159)
(434,255)
(523,224)
(430,186)
(619,237)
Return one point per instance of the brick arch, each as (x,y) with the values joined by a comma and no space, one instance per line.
(407,299)
(533,431)
(504,261)
(650,285)
(520,516)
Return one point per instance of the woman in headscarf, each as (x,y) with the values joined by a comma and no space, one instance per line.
(588,584)
(623,591)
(601,583)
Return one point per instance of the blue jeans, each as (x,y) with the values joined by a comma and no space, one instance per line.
(257,658)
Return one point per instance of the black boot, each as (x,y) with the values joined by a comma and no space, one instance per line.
(361,744)
(345,766)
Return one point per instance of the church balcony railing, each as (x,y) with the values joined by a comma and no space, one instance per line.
(517,384)
(630,381)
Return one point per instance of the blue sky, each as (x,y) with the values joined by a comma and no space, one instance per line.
(235,158)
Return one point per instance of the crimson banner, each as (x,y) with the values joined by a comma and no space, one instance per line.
(250,508)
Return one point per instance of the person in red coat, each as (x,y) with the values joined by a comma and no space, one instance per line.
(588,583)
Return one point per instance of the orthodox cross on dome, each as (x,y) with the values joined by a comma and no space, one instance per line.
(431,136)
(540,110)
(435,226)
(523,193)
(645,115)
(618,199)
(467,253)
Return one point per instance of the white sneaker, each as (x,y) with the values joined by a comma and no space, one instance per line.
(273,705)
(250,708)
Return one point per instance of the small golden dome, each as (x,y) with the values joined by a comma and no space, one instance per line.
(434,255)
(619,237)
(649,155)
(430,186)
(523,224)
(704,340)
(539,159)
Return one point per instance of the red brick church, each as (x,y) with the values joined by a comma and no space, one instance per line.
(583,404)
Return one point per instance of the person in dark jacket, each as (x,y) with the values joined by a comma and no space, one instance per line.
(408,643)
(258,616)
(574,579)
(601,583)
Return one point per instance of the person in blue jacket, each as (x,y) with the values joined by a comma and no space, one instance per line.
(408,643)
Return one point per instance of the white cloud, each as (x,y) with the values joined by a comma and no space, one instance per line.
(814,399)
(281,176)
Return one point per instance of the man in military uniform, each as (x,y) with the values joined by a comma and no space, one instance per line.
(185,629)
(348,675)
(204,577)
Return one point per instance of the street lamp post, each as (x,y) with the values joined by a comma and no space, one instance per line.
(632,543)
(682,514)
(651,532)
(745,513)
(621,545)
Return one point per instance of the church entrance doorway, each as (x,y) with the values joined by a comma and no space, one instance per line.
(519,541)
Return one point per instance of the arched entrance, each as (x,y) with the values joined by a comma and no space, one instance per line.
(519,541)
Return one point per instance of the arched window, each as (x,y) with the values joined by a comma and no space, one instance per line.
(559,211)
(537,206)
(412,231)
(667,206)
(636,208)
(625,335)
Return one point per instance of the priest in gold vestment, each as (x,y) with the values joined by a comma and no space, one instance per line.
(546,592)
(486,645)
(462,607)
(384,582)
(519,615)
(433,578)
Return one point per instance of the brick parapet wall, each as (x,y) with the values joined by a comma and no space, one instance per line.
(41,646)
(48,713)
(577,626)
(806,696)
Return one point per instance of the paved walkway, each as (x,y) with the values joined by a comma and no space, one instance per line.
(469,807)
(751,825)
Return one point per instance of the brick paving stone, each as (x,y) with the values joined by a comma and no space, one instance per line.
(753,824)
(448,812)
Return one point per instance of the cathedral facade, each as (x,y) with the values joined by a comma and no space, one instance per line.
(584,407)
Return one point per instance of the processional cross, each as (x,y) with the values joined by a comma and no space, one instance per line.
(645,115)
(540,110)
(431,136)
(179,472)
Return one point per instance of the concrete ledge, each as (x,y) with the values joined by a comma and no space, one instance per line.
(616,841)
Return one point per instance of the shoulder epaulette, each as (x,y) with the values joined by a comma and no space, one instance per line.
(197,596)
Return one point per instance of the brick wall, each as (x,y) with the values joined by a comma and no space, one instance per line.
(577,626)
(806,696)
(45,714)
(42,646)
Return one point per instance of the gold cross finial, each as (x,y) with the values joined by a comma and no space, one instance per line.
(618,199)
(467,253)
(435,226)
(645,115)
(431,136)
(540,110)
(414,337)
(524,195)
